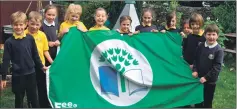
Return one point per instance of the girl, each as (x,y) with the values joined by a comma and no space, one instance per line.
(125,23)
(146,26)
(185,28)
(72,18)
(193,39)
(50,28)
(170,23)
(100,19)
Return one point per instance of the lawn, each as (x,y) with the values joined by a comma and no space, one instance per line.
(225,96)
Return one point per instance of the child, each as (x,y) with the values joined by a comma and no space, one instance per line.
(125,23)
(50,28)
(171,20)
(21,50)
(192,40)
(100,19)
(185,28)
(146,26)
(34,24)
(207,64)
(72,18)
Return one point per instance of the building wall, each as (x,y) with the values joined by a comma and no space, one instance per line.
(8,7)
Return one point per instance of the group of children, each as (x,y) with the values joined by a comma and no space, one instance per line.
(32,49)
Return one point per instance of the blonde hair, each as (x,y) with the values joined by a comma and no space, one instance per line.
(35,16)
(73,9)
(18,16)
(100,9)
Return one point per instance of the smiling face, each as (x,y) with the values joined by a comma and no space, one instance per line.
(173,22)
(147,17)
(124,26)
(74,17)
(50,15)
(195,27)
(211,37)
(19,28)
(34,26)
(100,17)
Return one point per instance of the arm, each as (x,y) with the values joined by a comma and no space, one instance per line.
(35,55)
(6,60)
(48,57)
(216,68)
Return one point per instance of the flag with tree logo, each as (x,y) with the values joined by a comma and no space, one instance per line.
(104,69)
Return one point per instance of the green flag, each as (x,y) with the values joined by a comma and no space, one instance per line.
(104,69)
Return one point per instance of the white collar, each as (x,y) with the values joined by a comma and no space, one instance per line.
(210,46)
(49,24)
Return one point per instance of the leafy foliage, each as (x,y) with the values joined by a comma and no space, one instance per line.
(226,15)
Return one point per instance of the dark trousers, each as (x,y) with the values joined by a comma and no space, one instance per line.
(209,90)
(42,89)
(25,84)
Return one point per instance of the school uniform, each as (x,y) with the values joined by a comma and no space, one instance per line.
(98,28)
(145,28)
(176,30)
(23,54)
(207,63)
(190,45)
(67,24)
(42,45)
(51,32)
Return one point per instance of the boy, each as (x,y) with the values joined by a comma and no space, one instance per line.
(34,24)
(207,64)
(21,50)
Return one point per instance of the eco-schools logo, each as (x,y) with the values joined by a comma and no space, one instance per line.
(119,73)
(65,105)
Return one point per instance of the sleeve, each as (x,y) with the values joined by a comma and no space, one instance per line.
(45,42)
(216,68)
(137,28)
(196,58)
(35,54)
(185,42)
(6,59)
(83,26)
(162,28)
(61,27)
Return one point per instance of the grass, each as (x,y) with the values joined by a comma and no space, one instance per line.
(225,94)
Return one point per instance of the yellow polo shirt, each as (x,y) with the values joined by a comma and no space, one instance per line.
(98,28)
(67,24)
(41,43)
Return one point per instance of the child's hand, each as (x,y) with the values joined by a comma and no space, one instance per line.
(163,31)
(130,34)
(45,68)
(79,27)
(3,84)
(65,30)
(191,66)
(182,34)
(57,43)
(136,32)
(195,74)
(154,30)
(51,44)
(203,80)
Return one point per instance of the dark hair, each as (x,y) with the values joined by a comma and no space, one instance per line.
(148,10)
(48,7)
(169,17)
(195,17)
(125,17)
(212,28)
(185,21)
